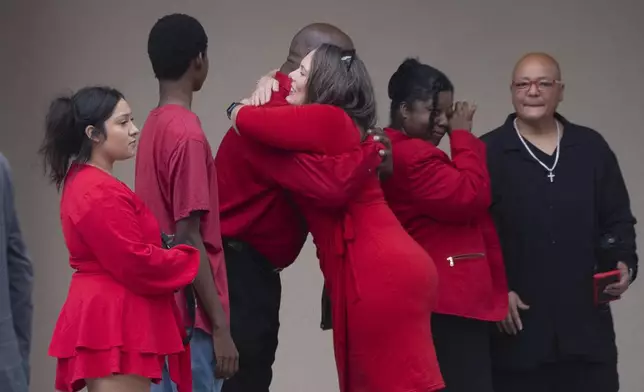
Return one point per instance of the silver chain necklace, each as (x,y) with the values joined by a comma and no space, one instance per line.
(550,170)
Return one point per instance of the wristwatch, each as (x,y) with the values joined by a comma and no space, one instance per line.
(232,107)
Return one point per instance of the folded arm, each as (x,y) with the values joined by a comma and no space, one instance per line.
(313,128)
(326,180)
(111,228)
(456,190)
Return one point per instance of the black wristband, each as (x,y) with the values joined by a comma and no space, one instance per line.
(230,109)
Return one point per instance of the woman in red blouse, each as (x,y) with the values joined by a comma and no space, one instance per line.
(120,319)
(381,282)
(443,204)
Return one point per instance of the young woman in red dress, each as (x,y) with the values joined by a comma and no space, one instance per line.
(443,203)
(120,319)
(381,282)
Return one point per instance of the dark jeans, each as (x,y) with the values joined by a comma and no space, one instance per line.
(255,291)
(463,351)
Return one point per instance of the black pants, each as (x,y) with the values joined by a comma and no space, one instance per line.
(560,376)
(255,291)
(326,322)
(463,351)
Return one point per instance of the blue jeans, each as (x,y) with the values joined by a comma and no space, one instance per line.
(203,367)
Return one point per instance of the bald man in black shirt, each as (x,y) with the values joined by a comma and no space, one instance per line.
(558,195)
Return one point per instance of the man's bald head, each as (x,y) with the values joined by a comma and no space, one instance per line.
(537,60)
(309,38)
(537,88)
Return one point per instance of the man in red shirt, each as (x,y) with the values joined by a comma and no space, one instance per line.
(262,229)
(176,178)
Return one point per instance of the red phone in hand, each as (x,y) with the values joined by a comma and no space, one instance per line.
(600,281)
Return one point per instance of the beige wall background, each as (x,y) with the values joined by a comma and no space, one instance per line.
(48,47)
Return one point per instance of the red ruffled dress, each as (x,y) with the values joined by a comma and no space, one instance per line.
(381,282)
(120,316)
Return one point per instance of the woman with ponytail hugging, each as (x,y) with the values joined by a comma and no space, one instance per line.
(443,203)
(120,319)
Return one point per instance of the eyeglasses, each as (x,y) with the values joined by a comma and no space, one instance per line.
(541,85)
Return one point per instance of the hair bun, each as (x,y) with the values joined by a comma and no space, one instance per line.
(409,65)
(399,79)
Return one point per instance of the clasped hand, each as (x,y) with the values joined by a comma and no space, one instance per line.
(264,89)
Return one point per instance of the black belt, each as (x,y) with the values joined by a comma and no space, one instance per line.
(242,247)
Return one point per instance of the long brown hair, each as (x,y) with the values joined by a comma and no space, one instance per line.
(339,78)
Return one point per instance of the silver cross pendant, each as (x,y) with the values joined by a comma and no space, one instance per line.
(551,176)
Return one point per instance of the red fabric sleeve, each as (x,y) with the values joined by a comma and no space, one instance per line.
(315,128)
(189,180)
(327,180)
(497,267)
(278,98)
(111,228)
(455,190)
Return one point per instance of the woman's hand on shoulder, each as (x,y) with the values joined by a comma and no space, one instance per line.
(386,167)
(266,85)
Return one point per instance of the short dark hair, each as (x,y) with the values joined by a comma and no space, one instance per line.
(174,41)
(338,77)
(68,117)
(414,81)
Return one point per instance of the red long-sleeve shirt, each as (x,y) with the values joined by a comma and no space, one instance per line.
(443,204)
(121,297)
(255,202)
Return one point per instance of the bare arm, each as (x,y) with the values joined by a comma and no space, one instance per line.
(193,195)
(187,232)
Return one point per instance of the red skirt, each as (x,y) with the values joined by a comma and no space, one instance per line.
(71,373)
(104,330)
